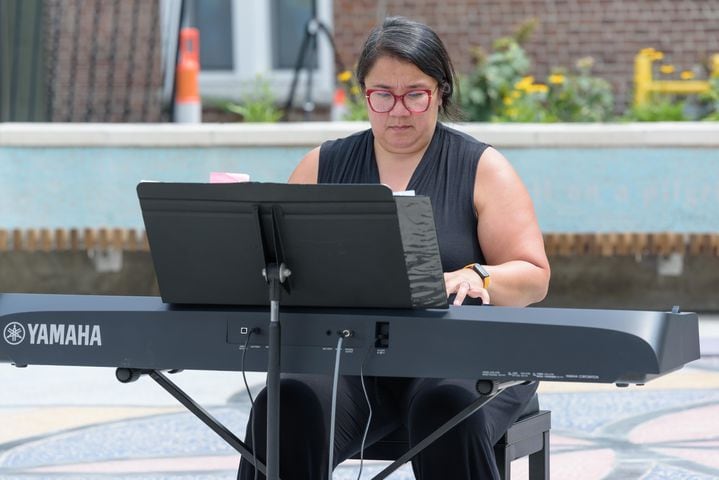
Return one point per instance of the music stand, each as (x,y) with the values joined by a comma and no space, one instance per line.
(301,245)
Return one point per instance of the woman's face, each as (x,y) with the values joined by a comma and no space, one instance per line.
(400,130)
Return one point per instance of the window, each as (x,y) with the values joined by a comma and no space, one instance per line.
(213,17)
(241,39)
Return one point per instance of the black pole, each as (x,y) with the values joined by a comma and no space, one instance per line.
(275,274)
(273,390)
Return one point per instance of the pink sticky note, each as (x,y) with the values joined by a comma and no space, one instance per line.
(226,177)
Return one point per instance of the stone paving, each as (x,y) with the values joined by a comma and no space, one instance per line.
(81,424)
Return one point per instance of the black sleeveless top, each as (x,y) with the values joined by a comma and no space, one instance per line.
(446,174)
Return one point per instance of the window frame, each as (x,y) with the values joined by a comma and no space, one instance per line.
(252,25)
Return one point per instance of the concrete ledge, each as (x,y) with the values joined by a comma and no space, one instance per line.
(661,134)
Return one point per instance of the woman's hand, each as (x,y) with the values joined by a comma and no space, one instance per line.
(465,282)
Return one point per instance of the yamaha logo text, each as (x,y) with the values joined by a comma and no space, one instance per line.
(16,333)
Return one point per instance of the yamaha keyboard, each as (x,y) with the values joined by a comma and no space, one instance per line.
(481,342)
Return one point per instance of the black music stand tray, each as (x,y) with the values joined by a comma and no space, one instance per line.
(249,244)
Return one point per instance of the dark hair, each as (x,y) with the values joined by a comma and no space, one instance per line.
(416,43)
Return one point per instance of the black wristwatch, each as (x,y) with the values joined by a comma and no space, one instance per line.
(482,272)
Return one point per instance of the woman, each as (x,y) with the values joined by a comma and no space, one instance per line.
(486,228)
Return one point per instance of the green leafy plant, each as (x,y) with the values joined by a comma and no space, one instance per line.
(354,100)
(258,105)
(356,110)
(500,89)
(579,97)
(711,100)
(524,103)
(493,79)
(658,109)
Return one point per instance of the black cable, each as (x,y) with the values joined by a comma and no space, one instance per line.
(369,418)
(252,403)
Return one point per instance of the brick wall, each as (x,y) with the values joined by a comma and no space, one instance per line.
(611,31)
(103,60)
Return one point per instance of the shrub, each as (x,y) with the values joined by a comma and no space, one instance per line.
(483,92)
(581,97)
(711,100)
(258,105)
(355,101)
(500,89)
(658,109)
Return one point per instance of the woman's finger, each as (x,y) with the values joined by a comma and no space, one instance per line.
(462,292)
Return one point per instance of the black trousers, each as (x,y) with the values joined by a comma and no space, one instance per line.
(422,405)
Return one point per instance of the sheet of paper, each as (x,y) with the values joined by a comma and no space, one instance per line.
(228,177)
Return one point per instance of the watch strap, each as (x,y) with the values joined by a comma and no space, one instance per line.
(482,272)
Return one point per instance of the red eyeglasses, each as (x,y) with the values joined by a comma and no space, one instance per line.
(383,101)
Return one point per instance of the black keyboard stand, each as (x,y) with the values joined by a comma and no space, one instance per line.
(488,389)
(127,375)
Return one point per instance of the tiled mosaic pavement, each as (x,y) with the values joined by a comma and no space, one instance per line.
(80,424)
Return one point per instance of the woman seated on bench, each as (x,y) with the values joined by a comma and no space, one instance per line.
(486,228)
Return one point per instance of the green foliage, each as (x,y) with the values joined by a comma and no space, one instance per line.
(495,74)
(494,77)
(581,97)
(258,105)
(711,100)
(524,103)
(356,110)
(499,89)
(657,109)
(354,99)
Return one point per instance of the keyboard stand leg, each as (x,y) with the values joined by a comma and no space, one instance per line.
(488,390)
(128,375)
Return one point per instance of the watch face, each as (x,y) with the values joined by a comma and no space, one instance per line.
(480,270)
(483,274)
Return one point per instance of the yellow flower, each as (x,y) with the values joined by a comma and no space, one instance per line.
(556,79)
(647,51)
(657,55)
(355,90)
(687,75)
(508,100)
(512,112)
(667,69)
(516,94)
(537,88)
(345,76)
(524,83)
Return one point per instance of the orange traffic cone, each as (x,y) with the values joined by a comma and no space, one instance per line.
(339,105)
(188,107)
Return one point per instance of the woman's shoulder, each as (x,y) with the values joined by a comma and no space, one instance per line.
(345,142)
(340,160)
